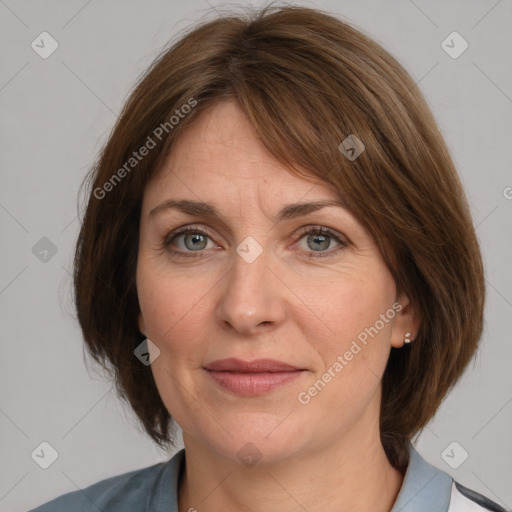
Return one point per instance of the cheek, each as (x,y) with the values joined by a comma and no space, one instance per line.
(353,359)
(350,307)
(357,347)
(172,308)
(173,311)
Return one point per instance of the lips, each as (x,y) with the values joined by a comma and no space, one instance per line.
(252,378)
(256,366)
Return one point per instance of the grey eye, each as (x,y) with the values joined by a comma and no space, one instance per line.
(195,241)
(318,242)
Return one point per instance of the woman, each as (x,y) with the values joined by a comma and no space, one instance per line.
(277,254)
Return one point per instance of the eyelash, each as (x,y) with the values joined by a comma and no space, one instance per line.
(317,230)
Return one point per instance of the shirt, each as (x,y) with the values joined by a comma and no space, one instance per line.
(425,488)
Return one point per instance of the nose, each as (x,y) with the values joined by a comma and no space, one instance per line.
(252,297)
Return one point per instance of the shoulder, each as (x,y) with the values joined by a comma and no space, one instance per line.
(426,487)
(132,491)
(128,487)
(466,500)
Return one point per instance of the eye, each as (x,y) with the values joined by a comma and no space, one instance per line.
(188,240)
(318,239)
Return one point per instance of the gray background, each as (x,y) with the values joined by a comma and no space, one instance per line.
(57,112)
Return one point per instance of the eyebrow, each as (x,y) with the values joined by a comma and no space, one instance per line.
(204,209)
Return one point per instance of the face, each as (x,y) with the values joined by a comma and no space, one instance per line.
(253,278)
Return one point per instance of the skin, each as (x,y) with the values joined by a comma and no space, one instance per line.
(285,305)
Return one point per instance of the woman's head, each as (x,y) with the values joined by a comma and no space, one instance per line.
(252,114)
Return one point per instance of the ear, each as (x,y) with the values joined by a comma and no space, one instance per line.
(406,320)
(142,324)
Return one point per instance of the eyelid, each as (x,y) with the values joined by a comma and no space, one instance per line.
(317,228)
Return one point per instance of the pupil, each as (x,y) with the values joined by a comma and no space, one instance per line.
(324,241)
(195,239)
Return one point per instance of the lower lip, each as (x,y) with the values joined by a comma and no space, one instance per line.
(251,384)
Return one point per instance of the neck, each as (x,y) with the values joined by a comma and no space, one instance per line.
(347,475)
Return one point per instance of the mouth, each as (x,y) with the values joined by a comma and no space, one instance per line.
(252,378)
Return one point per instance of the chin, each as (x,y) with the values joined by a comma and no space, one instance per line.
(257,438)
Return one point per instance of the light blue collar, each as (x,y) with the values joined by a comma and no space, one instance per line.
(425,487)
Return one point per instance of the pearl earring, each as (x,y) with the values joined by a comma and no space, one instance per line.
(408,337)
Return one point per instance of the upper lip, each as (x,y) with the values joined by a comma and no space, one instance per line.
(255,366)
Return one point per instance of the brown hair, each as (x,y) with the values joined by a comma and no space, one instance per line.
(306,81)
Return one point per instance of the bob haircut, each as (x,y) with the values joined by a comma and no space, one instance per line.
(306,81)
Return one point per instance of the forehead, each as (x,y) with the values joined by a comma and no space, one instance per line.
(220,153)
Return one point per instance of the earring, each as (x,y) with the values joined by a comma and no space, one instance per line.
(408,337)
